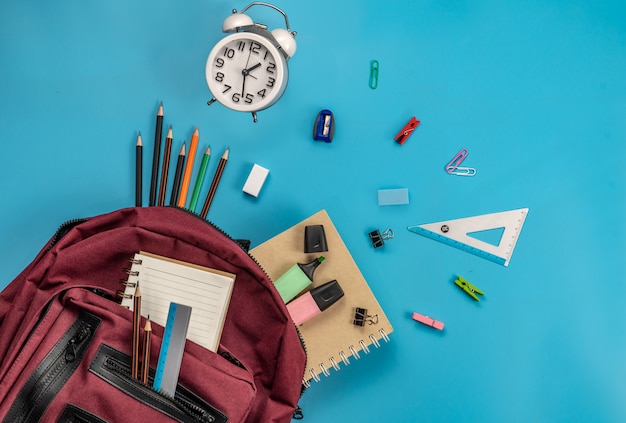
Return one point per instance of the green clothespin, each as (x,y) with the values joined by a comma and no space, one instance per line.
(470,289)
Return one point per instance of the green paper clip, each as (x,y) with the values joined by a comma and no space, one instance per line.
(470,289)
(373,74)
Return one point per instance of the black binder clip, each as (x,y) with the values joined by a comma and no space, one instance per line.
(361,317)
(378,239)
(324,127)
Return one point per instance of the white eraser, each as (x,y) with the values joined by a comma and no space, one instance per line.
(255,180)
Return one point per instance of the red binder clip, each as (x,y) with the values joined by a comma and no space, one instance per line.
(403,135)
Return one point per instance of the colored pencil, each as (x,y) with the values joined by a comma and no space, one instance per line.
(136,321)
(156,156)
(216,180)
(166,166)
(193,145)
(200,179)
(138,170)
(145,370)
(177,176)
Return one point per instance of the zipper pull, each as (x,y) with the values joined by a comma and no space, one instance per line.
(71,350)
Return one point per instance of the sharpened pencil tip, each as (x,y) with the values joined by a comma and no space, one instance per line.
(139,143)
(160,112)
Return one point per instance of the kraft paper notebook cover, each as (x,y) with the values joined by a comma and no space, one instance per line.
(330,338)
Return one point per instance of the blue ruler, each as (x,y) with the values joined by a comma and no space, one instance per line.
(455,233)
(172,349)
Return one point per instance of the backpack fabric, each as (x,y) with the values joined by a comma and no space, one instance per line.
(65,341)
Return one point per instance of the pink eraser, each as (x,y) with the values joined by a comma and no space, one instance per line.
(428,321)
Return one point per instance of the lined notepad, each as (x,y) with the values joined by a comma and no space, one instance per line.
(163,280)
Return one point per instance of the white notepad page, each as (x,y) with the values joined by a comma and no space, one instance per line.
(164,280)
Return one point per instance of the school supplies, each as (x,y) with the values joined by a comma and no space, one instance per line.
(393,197)
(361,317)
(315,239)
(330,338)
(156,156)
(172,348)
(296,279)
(164,280)
(138,170)
(216,180)
(459,233)
(324,126)
(193,145)
(61,318)
(177,176)
(374,67)
(166,166)
(454,168)
(200,179)
(134,370)
(314,302)
(255,180)
(468,288)
(406,131)
(428,321)
(145,362)
(378,238)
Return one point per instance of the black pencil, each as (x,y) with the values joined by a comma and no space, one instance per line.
(138,170)
(214,184)
(156,156)
(178,177)
(166,166)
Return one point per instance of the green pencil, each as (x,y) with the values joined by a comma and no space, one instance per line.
(200,179)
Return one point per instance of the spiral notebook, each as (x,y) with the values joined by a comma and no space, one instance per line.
(164,280)
(331,338)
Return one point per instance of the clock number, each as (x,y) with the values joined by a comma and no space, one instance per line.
(271,68)
(229,52)
(255,47)
(249,98)
(265,55)
(228,87)
(241,46)
(262,93)
(220,62)
(270,82)
(236,97)
(219,77)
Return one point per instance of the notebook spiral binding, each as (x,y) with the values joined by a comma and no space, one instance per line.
(354,352)
(121,292)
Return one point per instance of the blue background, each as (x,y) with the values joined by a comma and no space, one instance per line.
(535,90)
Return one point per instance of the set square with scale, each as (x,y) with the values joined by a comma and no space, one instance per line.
(457,233)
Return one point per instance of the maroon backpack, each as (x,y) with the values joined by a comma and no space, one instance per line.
(65,341)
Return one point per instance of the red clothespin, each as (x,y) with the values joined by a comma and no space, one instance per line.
(403,135)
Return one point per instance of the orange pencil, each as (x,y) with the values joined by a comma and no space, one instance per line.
(182,198)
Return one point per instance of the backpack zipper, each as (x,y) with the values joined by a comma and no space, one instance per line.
(53,371)
(114,367)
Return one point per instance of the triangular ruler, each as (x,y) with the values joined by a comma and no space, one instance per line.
(455,233)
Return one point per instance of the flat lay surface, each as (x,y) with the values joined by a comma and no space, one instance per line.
(534,92)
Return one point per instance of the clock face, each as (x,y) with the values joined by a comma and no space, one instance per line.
(245,72)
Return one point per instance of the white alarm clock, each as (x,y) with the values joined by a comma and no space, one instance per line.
(247,70)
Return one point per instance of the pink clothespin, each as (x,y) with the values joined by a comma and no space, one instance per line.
(403,135)
(428,321)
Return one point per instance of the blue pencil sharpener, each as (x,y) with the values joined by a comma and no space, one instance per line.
(324,127)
